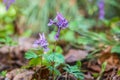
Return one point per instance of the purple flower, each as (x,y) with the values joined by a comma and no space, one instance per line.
(41,42)
(101,5)
(60,22)
(8,3)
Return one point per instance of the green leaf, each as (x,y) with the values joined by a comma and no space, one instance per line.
(30,55)
(51,36)
(27,33)
(95,75)
(8,40)
(84,40)
(35,61)
(56,71)
(55,57)
(69,36)
(116,49)
(2,11)
(3,73)
(58,49)
(118,72)
(104,66)
(79,64)
(2,40)
(9,29)
(74,70)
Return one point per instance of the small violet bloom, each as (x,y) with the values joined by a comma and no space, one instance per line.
(41,42)
(60,22)
(8,3)
(101,5)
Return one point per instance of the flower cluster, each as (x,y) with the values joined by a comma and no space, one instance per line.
(60,22)
(101,5)
(41,42)
(8,3)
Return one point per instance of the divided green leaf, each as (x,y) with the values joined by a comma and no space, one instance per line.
(30,55)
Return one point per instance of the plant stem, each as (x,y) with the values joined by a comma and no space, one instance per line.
(53,64)
(40,66)
(99,77)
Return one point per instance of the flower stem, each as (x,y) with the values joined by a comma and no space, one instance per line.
(53,64)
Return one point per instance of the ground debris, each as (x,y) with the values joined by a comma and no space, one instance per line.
(19,74)
(75,55)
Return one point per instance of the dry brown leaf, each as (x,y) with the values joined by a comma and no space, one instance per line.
(18,74)
(27,75)
(88,77)
(75,55)
(106,55)
(13,73)
(95,68)
(111,59)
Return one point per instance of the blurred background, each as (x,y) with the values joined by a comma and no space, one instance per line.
(94,27)
(90,21)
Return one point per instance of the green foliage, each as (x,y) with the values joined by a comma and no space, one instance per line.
(39,11)
(91,7)
(95,75)
(56,71)
(74,70)
(7,17)
(84,40)
(35,56)
(6,30)
(79,64)
(118,72)
(27,33)
(116,49)
(7,41)
(35,62)
(103,67)
(30,55)
(93,38)
(3,73)
(51,36)
(68,35)
(55,58)
(48,59)
(57,49)
(91,55)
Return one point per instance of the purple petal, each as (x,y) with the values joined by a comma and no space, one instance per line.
(43,36)
(51,22)
(101,9)
(46,49)
(35,45)
(58,34)
(42,42)
(8,3)
(59,17)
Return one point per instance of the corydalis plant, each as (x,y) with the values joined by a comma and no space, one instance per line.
(41,42)
(60,22)
(8,3)
(101,5)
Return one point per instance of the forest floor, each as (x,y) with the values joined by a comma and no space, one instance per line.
(12,59)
